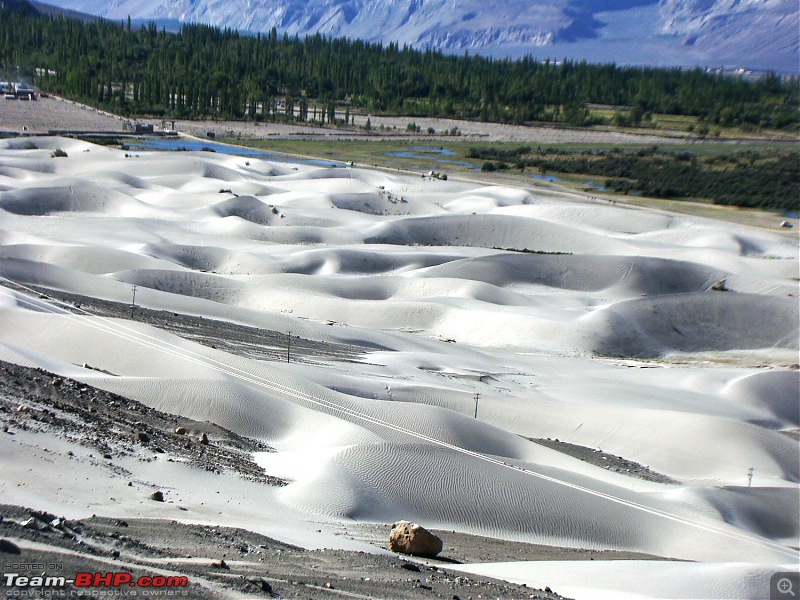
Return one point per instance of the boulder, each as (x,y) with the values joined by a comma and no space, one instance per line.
(410,538)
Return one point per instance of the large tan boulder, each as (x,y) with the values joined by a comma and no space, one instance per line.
(410,538)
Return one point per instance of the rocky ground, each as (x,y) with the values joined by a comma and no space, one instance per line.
(37,401)
(608,461)
(223,562)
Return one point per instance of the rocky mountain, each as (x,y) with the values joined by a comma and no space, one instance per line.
(727,29)
(758,34)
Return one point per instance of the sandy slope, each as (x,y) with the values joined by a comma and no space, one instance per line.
(539,302)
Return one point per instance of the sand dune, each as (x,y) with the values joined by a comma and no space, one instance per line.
(696,322)
(588,273)
(548,315)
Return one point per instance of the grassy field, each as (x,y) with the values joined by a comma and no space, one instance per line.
(667,124)
(451,157)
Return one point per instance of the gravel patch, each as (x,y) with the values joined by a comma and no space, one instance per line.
(53,113)
(617,464)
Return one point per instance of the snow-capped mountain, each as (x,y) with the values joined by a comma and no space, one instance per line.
(760,34)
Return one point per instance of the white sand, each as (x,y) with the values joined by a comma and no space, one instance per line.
(411,267)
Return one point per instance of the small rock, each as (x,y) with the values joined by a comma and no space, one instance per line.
(115,553)
(204,439)
(9,547)
(180,430)
(262,584)
(30,523)
(158,496)
(142,437)
(720,286)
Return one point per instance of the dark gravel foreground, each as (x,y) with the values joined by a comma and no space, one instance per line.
(221,562)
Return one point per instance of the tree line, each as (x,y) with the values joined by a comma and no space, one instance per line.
(204,71)
(750,178)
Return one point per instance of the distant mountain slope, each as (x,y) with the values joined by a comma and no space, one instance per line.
(725,29)
(760,34)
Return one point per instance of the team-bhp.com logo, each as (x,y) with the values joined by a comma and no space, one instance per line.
(89,584)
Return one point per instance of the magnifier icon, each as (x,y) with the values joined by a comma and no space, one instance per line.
(785,586)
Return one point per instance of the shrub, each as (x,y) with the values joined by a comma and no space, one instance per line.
(58,153)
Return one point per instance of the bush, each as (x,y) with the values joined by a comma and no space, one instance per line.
(58,153)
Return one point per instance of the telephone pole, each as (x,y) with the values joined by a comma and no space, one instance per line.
(133,303)
(288,346)
(750,476)
(477,397)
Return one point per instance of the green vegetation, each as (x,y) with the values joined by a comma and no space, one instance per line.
(58,153)
(207,72)
(749,178)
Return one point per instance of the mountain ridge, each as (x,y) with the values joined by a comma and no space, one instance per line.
(753,34)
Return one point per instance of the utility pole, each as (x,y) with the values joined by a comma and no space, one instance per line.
(133,303)
(750,476)
(288,346)
(477,397)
